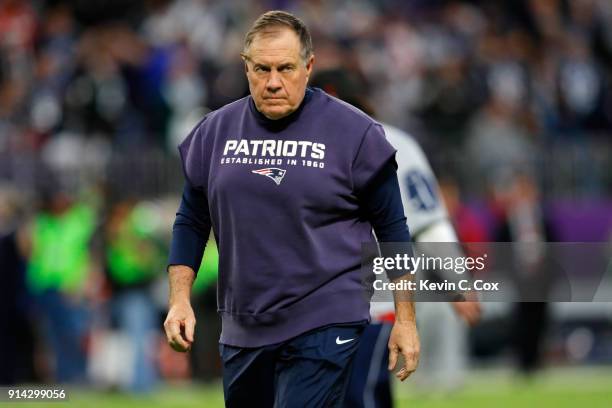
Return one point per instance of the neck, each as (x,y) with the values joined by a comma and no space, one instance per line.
(283,120)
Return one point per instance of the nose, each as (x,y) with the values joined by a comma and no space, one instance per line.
(274,83)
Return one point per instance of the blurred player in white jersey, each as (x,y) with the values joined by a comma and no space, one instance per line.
(442,325)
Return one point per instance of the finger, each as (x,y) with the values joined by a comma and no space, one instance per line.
(411,361)
(404,373)
(172,328)
(173,332)
(189,329)
(393,354)
(408,374)
(177,347)
(180,338)
(180,342)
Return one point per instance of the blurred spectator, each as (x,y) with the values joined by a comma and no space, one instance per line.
(522,221)
(59,277)
(134,259)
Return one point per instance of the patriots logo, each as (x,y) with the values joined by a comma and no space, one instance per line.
(275,174)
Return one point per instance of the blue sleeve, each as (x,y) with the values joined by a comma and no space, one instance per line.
(382,202)
(191,229)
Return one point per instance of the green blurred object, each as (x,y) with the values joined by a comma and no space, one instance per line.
(60,250)
(133,256)
(207,274)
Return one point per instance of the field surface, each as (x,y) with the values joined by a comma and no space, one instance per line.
(571,388)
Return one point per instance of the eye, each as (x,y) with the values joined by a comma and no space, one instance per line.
(260,68)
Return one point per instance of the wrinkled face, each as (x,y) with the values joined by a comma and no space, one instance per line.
(276,73)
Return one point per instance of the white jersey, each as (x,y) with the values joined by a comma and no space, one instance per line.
(420,193)
(419,188)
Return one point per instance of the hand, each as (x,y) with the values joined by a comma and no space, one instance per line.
(404,339)
(469,310)
(180,326)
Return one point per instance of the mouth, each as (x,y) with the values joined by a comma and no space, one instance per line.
(274,101)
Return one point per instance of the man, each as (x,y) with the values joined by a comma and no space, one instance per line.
(444,351)
(292,182)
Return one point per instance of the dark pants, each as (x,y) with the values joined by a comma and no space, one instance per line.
(530,324)
(310,370)
(370,383)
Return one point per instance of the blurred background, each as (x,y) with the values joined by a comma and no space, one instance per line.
(511,101)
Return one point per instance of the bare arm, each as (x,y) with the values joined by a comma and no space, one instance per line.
(180,322)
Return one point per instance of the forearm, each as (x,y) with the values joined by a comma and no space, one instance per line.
(181,279)
(404,304)
(405,312)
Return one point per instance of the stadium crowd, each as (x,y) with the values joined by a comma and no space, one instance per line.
(95,96)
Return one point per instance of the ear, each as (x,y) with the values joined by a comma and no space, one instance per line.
(310,64)
(246,66)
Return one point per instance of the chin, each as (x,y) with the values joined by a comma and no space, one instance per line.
(276,113)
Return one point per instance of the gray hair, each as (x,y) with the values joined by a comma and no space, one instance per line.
(278,18)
